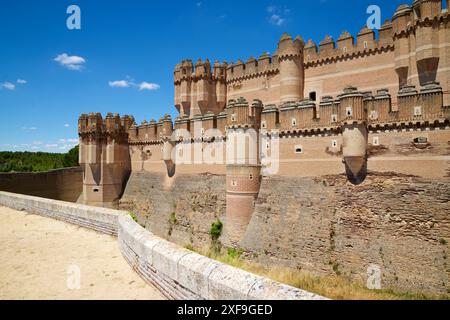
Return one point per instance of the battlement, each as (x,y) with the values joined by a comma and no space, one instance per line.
(348,46)
(199,89)
(266,64)
(353,107)
(152,131)
(186,70)
(113,124)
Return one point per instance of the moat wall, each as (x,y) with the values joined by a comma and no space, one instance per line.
(61,184)
(326,225)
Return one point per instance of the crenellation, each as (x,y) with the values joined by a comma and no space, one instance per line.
(358,105)
(327,46)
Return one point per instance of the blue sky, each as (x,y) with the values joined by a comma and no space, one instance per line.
(123,57)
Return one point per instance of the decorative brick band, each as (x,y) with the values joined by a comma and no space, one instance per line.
(177,272)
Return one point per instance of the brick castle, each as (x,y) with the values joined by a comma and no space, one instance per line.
(338,107)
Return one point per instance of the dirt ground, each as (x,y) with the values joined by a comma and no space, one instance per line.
(42,258)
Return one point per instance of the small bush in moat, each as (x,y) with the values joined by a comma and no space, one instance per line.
(216,230)
(234,253)
(133,216)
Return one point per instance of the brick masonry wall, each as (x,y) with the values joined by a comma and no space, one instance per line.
(326,225)
(177,272)
(180,209)
(61,184)
(323,225)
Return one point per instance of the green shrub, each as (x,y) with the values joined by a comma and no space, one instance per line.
(133,216)
(233,253)
(216,230)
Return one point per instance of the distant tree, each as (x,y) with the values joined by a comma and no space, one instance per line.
(71,158)
(37,161)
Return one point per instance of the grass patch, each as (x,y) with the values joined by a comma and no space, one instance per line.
(334,286)
(133,216)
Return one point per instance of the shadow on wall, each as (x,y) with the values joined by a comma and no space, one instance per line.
(171,166)
(356,169)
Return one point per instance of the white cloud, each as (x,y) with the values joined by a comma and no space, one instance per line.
(67,141)
(70,62)
(276,20)
(8,86)
(66,125)
(130,83)
(277,15)
(50,146)
(148,86)
(37,142)
(119,84)
(21,81)
(29,128)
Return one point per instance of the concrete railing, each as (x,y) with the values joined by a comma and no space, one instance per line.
(177,272)
(99,219)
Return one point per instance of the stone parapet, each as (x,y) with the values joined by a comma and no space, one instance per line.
(177,272)
(99,219)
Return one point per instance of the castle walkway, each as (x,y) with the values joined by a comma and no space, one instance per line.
(42,258)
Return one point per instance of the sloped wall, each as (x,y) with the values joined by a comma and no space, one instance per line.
(325,225)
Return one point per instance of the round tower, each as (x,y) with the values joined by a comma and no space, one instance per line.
(354,133)
(290,57)
(243,166)
(400,22)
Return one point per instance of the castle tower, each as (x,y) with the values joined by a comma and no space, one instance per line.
(400,21)
(353,118)
(418,33)
(291,66)
(104,157)
(427,39)
(183,83)
(220,70)
(243,165)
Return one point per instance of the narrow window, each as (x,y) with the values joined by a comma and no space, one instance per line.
(349,111)
(298,149)
(312,96)
(376,141)
(263,124)
(417,111)
(366,45)
(334,143)
(294,122)
(333,118)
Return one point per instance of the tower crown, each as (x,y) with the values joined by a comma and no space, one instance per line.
(287,47)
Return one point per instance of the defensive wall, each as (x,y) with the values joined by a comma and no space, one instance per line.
(177,272)
(60,184)
(323,225)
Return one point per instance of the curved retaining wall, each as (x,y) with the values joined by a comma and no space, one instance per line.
(177,272)
(99,219)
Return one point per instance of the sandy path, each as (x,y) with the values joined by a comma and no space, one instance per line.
(40,258)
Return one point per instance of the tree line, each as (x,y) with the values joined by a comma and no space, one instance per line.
(37,161)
